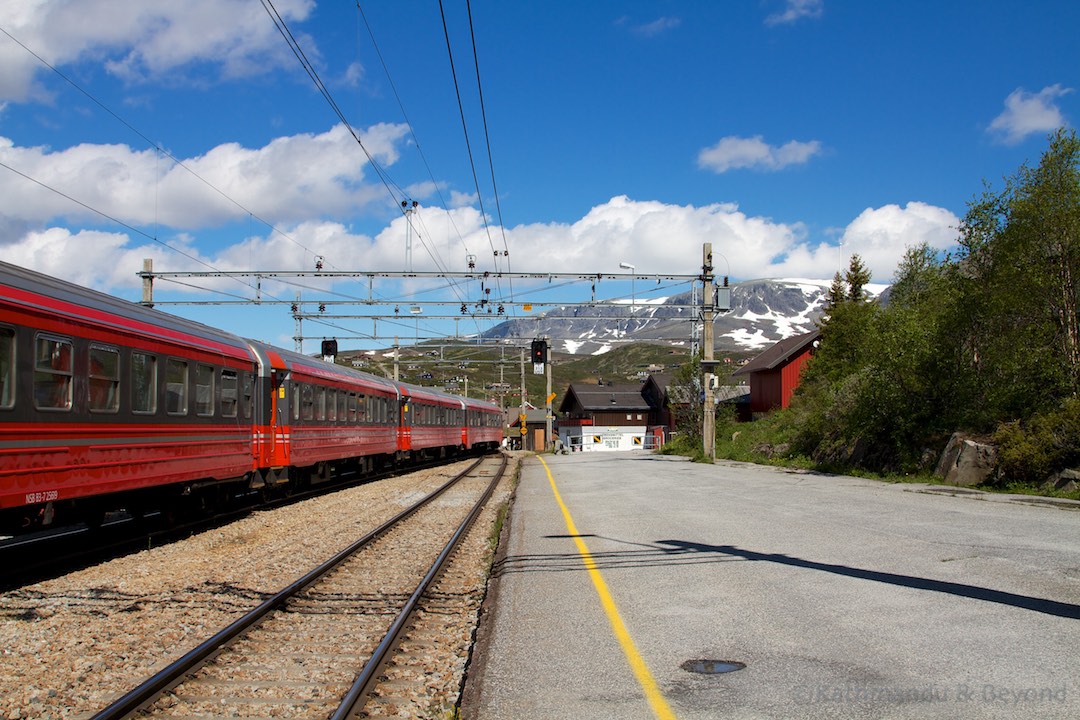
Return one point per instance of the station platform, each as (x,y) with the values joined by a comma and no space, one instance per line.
(631,585)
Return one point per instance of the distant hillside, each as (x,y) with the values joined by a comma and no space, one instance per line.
(762,313)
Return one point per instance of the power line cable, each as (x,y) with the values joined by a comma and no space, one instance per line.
(153,144)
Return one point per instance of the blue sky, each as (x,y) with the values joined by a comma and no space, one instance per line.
(789,133)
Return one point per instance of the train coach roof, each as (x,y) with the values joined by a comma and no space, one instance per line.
(21,286)
(431,394)
(321,368)
(475,404)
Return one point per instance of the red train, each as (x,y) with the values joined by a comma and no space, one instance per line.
(105,404)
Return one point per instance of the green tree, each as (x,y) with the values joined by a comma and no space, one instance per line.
(1017,275)
(837,292)
(856,278)
(986,339)
(685,393)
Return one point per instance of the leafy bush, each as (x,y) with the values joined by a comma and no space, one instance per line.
(1029,452)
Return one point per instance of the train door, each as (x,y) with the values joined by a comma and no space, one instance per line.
(271,427)
(463,420)
(405,424)
(280,400)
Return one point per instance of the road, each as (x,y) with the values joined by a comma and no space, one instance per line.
(843,597)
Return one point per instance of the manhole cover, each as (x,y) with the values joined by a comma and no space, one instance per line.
(712,667)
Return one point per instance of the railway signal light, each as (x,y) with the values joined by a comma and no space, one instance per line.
(539,354)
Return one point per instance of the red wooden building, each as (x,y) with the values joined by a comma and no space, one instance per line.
(774,374)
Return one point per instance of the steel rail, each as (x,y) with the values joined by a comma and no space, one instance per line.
(353,702)
(172,675)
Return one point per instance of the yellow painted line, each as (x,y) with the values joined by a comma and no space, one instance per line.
(641,671)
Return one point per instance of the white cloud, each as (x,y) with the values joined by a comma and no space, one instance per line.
(1028,113)
(795,10)
(882,235)
(138,40)
(101,260)
(653,236)
(658,26)
(290,179)
(733,153)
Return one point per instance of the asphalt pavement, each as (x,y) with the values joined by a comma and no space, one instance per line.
(627,580)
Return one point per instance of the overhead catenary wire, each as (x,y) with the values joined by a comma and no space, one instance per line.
(487,142)
(312,73)
(465,130)
(409,124)
(384,177)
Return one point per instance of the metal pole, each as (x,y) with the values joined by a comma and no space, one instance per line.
(521,415)
(148,282)
(549,442)
(708,430)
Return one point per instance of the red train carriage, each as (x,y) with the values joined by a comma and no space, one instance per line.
(484,425)
(431,422)
(108,405)
(324,418)
(102,397)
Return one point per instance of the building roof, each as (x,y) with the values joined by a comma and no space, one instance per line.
(533,416)
(660,380)
(598,398)
(779,354)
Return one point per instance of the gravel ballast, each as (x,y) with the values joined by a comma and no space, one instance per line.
(72,644)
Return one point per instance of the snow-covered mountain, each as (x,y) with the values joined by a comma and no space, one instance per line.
(762,313)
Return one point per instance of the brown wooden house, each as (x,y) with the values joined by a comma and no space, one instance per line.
(774,374)
(603,417)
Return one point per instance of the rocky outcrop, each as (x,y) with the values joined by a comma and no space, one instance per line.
(966,461)
(1064,481)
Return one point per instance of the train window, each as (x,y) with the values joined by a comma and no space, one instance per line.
(331,404)
(143,383)
(176,386)
(342,405)
(204,390)
(104,386)
(229,393)
(320,403)
(246,395)
(307,402)
(353,405)
(7,367)
(52,373)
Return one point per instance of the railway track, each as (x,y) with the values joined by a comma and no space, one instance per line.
(56,551)
(321,646)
